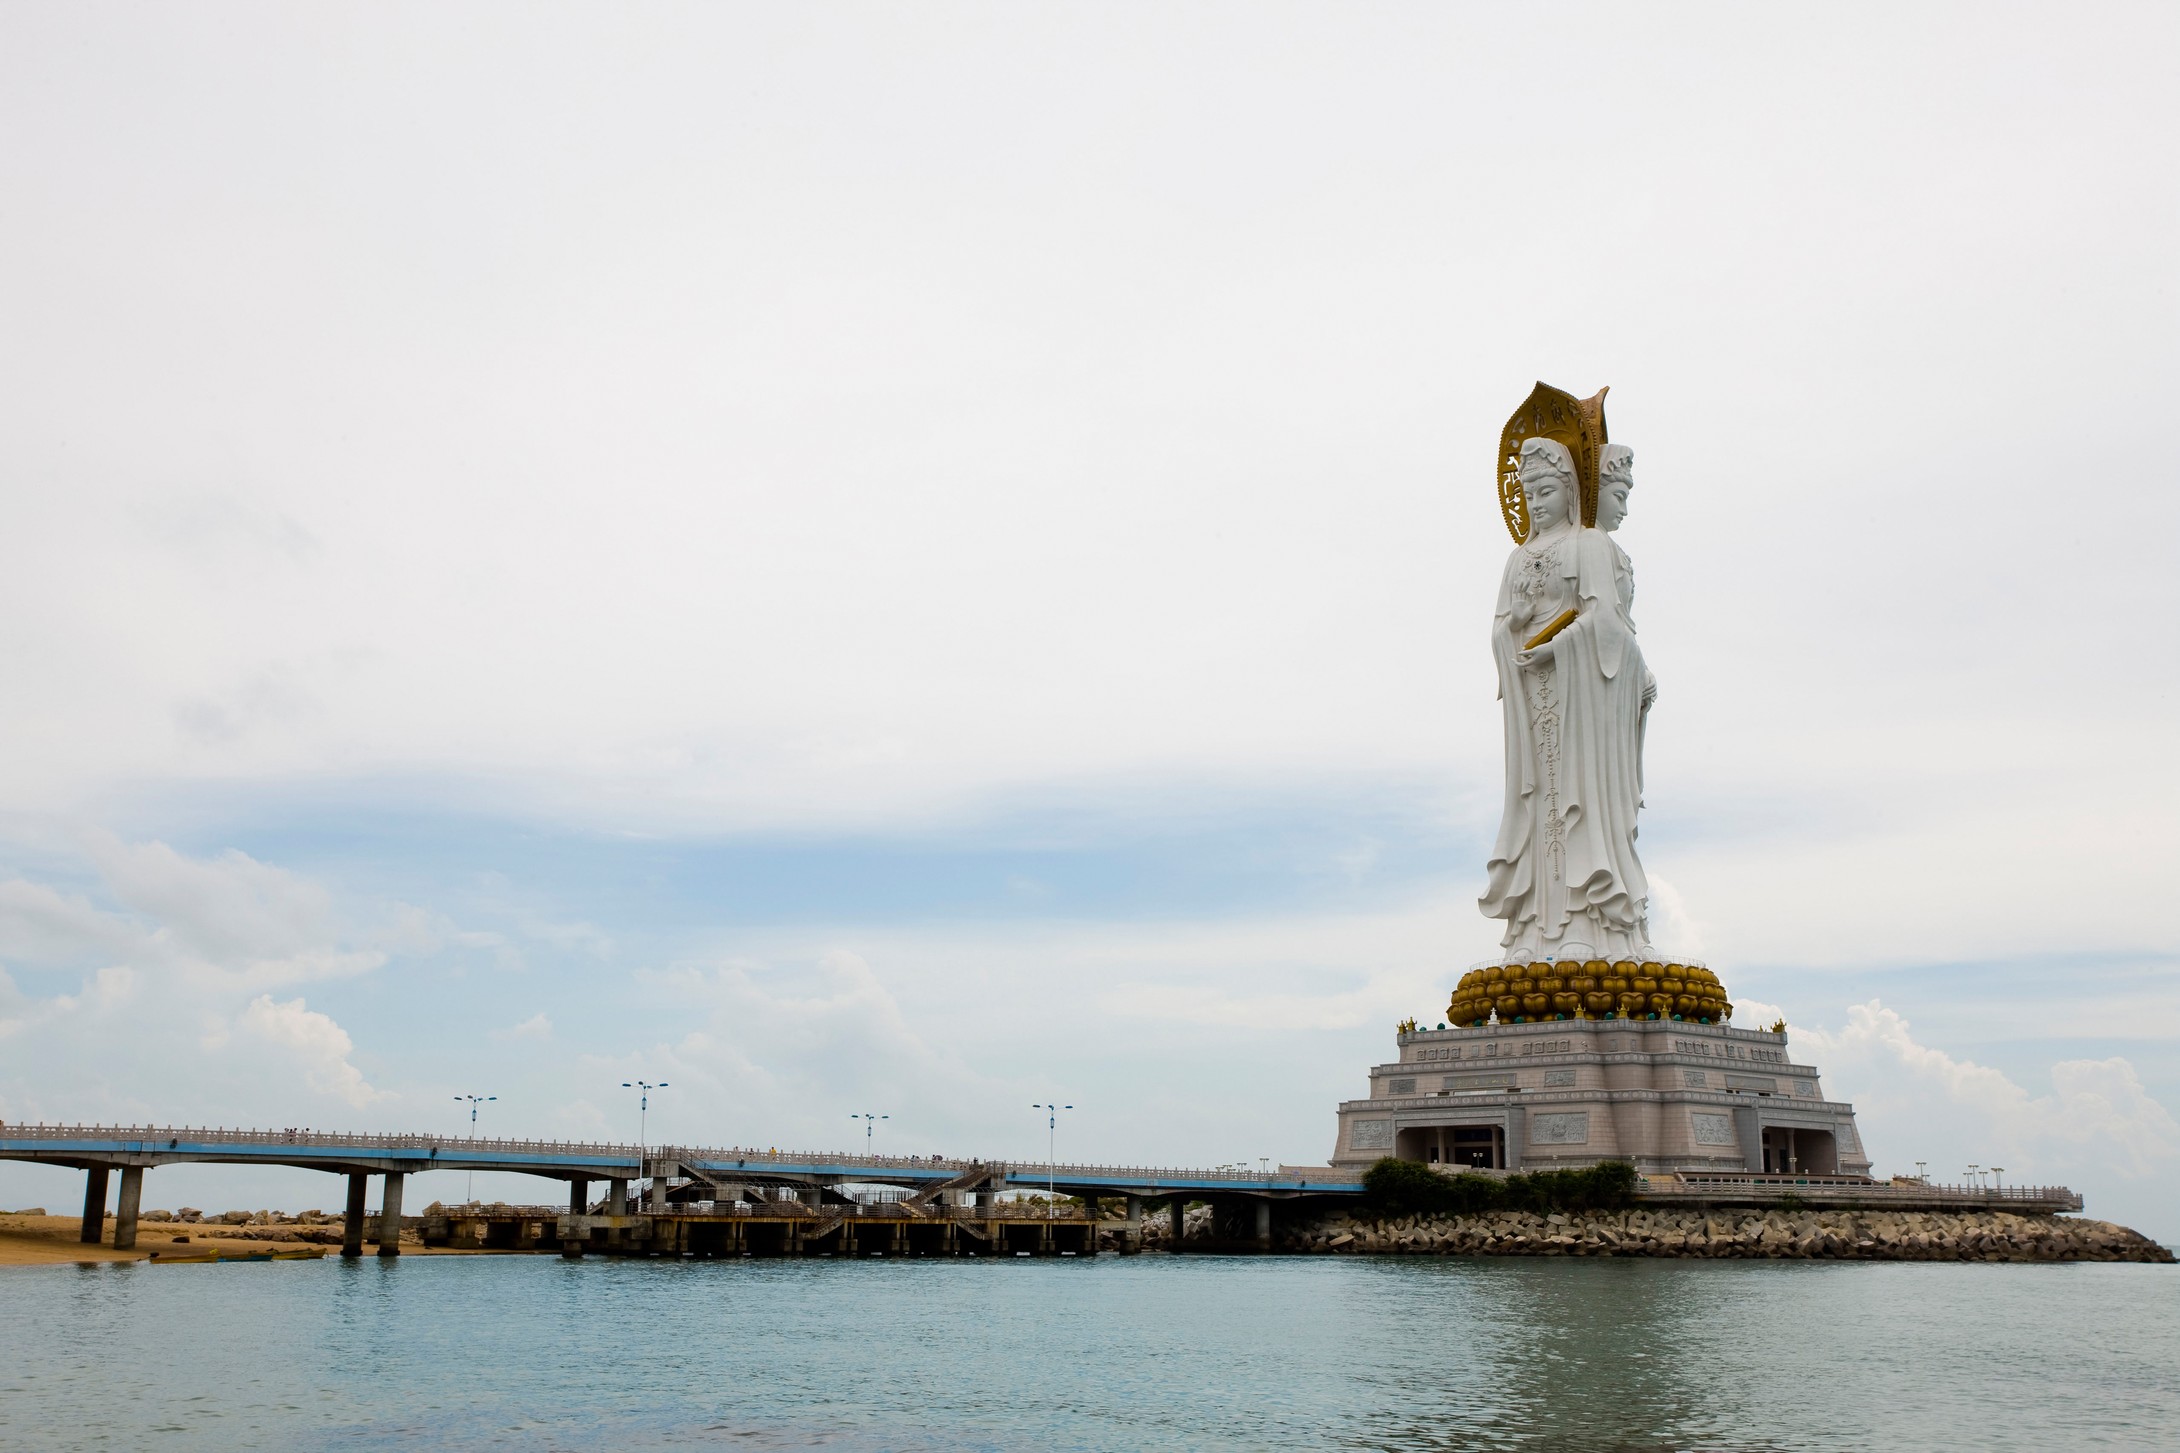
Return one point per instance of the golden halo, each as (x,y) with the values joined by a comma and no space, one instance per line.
(1552,414)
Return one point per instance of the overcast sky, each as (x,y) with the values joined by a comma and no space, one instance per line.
(919,559)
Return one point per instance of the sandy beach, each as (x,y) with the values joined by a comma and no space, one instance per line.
(45,1240)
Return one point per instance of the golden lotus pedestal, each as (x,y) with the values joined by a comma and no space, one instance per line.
(1550,990)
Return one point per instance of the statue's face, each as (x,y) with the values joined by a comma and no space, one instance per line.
(1612,503)
(1548,497)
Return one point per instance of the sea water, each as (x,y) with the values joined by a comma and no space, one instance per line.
(1149,1352)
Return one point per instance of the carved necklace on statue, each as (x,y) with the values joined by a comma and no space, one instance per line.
(1539,564)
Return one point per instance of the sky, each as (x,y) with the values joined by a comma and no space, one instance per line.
(925,560)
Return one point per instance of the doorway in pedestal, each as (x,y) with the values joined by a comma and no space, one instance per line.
(1481,1147)
(1790,1152)
(1477,1147)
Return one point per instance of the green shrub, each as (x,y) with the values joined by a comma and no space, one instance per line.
(1407,1188)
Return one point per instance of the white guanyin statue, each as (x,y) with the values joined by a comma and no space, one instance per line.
(1616,478)
(1575,694)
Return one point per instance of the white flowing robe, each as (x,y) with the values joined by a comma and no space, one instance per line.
(1564,874)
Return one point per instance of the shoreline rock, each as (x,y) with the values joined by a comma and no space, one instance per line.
(1836,1235)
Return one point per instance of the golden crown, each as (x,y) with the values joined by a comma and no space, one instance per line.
(1577,424)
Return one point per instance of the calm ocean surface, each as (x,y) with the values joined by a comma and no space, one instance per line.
(1147,1352)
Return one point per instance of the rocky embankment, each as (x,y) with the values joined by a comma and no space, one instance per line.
(1676,1232)
(309,1227)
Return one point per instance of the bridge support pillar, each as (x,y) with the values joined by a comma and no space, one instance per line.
(94,1206)
(132,1196)
(1264,1225)
(389,1224)
(617,1205)
(352,1223)
(578,1197)
(1131,1240)
(1178,1210)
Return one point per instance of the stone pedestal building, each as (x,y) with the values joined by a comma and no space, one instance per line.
(1667,1095)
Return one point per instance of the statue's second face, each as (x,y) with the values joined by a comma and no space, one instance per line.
(1612,503)
(1548,497)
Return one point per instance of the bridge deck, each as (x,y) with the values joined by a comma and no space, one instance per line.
(147,1145)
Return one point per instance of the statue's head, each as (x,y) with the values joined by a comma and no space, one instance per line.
(1547,483)
(1615,477)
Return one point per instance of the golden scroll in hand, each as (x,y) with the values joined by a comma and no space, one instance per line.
(1566,619)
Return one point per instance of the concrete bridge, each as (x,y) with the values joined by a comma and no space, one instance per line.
(676,1175)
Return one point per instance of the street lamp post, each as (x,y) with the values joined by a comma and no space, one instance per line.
(470,1195)
(1052,1140)
(1998,1174)
(870,1125)
(643,1119)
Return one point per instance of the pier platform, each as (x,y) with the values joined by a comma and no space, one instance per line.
(707,1230)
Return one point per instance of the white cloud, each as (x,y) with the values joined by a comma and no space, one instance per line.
(1181,1041)
(319,1046)
(220,924)
(171,1015)
(229,918)
(583,1119)
(41,925)
(537,1026)
(801,1019)
(1755,1013)
(1672,927)
(1852,874)
(109,989)
(783,1049)
(1919,1102)
(1236,1006)
(14,1006)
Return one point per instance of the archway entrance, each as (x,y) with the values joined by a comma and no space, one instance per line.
(1788,1151)
(1479,1147)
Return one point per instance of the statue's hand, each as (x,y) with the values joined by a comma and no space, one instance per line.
(1535,656)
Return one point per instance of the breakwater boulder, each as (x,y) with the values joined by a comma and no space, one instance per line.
(1840,1235)
(1158,1230)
